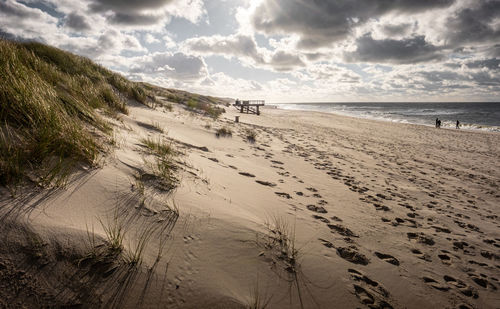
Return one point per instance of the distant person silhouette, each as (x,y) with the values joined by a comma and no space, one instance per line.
(458,124)
(439,123)
(437,120)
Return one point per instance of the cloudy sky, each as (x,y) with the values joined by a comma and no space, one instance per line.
(281,50)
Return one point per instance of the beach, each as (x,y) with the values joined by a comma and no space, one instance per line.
(294,209)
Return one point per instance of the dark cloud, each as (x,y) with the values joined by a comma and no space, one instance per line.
(439,76)
(393,30)
(474,24)
(237,45)
(314,56)
(178,66)
(492,64)
(283,61)
(125,6)
(134,19)
(13,8)
(76,22)
(244,46)
(322,22)
(405,51)
(130,12)
(486,79)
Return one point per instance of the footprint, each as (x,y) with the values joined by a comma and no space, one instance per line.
(421,238)
(320,218)
(381,207)
(326,243)
(441,229)
(342,230)
(368,291)
(283,194)
(266,183)
(317,209)
(352,256)
(388,258)
(246,174)
(421,255)
(363,295)
(461,286)
(433,283)
(445,259)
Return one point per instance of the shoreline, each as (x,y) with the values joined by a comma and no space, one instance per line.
(464,126)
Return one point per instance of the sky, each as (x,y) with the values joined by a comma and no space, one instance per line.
(281,51)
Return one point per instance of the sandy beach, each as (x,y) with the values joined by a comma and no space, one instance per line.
(319,211)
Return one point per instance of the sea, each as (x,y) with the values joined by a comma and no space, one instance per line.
(472,116)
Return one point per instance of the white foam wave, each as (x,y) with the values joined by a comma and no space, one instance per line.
(380,115)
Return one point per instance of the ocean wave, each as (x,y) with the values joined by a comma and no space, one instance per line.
(411,116)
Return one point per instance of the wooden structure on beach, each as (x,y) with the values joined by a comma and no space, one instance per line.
(249,106)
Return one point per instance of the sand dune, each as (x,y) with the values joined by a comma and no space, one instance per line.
(321,211)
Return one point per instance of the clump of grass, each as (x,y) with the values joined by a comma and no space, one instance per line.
(134,255)
(223,132)
(163,167)
(258,301)
(157,126)
(115,233)
(49,122)
(168,107)
(159,146)
(174,98)
(192,104)
(250,135)
(281,239)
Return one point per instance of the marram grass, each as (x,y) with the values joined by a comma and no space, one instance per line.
(49,119)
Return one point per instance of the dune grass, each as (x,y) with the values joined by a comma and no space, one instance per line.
(250,135)
(49,119)
(223,132)
(204,105)
(281,239)
(115,233)
(163,165)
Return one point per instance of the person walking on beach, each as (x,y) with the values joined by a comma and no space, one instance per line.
(458,124)
(437,121)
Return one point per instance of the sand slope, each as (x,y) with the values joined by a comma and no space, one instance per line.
(381,215)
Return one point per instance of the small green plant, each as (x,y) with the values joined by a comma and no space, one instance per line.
(192,104)
(173,98)
(250,135)
(223,132)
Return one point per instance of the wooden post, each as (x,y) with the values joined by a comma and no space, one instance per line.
(241,110)
(236,119)
(258,113)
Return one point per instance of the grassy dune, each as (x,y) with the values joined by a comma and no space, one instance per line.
(51,102)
